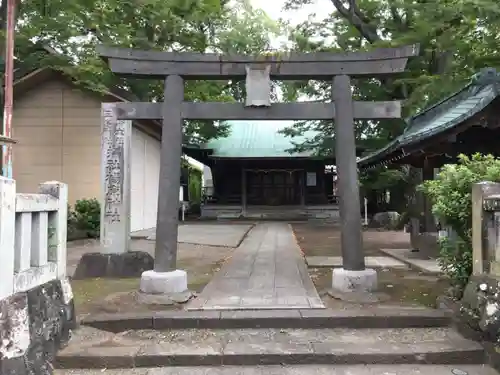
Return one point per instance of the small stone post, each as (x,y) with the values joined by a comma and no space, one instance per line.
(491,207)
(166,284)
(480,191)
(115,180)
(481,297)
(59,224)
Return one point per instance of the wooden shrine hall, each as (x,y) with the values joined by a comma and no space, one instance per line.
(256,174)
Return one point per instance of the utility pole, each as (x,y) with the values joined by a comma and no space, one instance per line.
(7,85)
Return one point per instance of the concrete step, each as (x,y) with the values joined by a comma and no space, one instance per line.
(253,347)
(297,370)
(370,317)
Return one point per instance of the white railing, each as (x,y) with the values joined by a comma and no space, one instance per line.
(33,230)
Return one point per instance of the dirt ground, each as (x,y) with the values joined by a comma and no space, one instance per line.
(120,295)
(399,286)
(318,239)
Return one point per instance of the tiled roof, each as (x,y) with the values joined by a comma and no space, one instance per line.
(450,112)
(257,139)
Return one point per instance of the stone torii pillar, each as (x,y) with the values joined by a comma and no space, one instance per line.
(165,281)
(354,276)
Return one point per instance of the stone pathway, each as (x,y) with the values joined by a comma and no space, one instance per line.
(267,271)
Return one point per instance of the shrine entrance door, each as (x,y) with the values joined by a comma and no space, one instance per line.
(273,187)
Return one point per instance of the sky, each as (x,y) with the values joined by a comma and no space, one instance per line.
(274,9)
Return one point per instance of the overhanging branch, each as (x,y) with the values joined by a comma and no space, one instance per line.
(354,15)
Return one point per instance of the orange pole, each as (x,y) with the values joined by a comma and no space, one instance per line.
(8,83)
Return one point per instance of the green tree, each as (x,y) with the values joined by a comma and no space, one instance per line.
(456,37)
(451,195)
(74,28)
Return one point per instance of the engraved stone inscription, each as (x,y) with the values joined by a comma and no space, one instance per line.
(113,139)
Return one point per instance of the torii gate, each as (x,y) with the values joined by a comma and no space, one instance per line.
(174,68)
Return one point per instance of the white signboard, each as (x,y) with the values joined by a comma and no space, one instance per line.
(258,87)
(311,179)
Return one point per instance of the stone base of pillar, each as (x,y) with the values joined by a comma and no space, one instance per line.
(346,281)
(356,286)
(164,288)
(127,264)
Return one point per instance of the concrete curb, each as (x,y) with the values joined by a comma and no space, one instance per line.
(411,264)
(108,359)
(311,319)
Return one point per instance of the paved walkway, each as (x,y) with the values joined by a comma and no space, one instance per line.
(267,271)
(204,234)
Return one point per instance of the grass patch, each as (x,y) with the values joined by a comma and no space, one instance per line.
(106,295)
(404,287)
(90,290)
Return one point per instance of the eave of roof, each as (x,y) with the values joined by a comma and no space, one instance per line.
(444,115)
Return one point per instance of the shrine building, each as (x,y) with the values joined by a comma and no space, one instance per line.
(256,174)
(466,122)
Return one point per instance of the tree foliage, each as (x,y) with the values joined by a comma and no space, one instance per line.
(451,191)
(456,37)
(74,28)
(451,196)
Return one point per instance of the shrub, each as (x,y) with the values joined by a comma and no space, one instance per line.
(455,259)
(87,216)
(451,196)
(72,226)
(195,177)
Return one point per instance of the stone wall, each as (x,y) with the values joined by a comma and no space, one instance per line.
(480,307)
(34,325)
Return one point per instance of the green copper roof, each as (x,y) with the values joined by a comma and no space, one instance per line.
(257,139)
(452,111)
